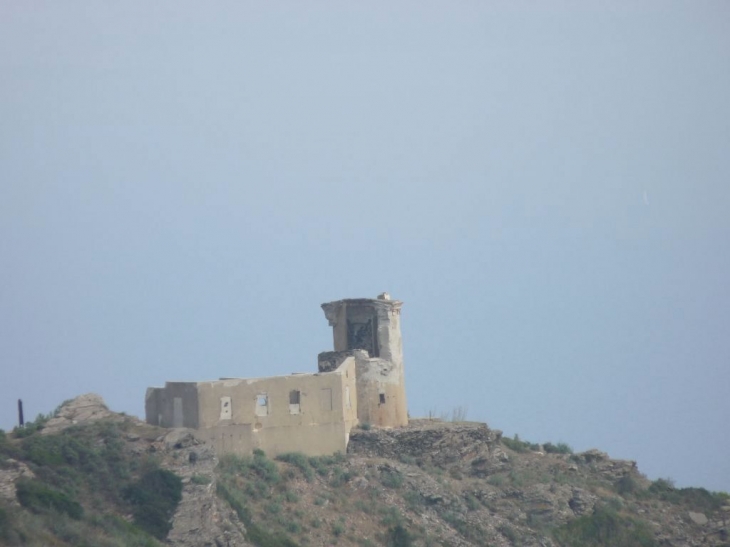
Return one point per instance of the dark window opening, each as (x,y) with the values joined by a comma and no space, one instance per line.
(382,398)
(294,400)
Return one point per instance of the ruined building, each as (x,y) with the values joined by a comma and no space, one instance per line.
(361,381)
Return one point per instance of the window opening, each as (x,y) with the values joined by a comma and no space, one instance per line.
(295,401)
(262,404)
(382,398)
(225,408)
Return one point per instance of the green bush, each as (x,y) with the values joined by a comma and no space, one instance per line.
(391,479)
(322,464)
(340,477)
(398,536)
(606,527)
(31,427)
(508,532)
(698,499)
(58,450)
(200,479)
(38,497)
(76,459)
(472,502)
(265,468)
(258,466)
(291,497)
(154,498)
(391,516)
(273,508)
(627,485)
(413,500)
(337,529)
(300,461)
(518,445)
(560,448)
(258,535)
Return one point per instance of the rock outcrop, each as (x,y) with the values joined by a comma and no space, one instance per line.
(202,519)
(83,409)
(10,471)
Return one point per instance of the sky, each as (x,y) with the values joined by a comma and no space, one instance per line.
(545,185)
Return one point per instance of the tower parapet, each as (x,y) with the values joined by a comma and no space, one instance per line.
(369,329)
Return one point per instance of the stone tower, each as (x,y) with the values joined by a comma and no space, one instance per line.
(369,330)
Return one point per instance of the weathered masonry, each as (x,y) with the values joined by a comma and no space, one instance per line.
(362,381)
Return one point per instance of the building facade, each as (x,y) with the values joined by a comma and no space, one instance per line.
(361,381)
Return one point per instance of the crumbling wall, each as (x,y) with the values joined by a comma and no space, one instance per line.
(309,413)
(175,405)
(369,330)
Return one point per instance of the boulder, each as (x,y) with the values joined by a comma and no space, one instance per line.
(86,408)
(698,518)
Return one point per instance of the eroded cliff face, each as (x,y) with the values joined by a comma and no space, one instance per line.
(202,517)
(432,482)
(467,477)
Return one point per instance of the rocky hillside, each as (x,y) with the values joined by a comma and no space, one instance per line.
(88,476)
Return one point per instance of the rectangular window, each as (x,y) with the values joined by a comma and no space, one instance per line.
(382,398)
(262,404)
(225,408)
(295,401)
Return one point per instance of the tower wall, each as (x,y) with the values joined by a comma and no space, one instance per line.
(370,330)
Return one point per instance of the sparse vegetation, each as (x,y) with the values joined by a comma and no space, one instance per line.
(696,499)
(519,445)
(79,474)
(38,497)
(560,448)
(413,500)
(300,461)
(605,527)
(154,498)
(33,427)
(200,479)
(391,478)
(472,502)
(458,413)
(87,475)
(337,529)
(256,534)
(627,485)
(398,536)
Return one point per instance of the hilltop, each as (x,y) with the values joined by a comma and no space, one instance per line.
(88,476)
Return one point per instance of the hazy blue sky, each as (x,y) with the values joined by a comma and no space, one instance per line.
(545,185)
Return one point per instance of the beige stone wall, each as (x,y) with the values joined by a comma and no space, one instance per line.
(175,405)
(319,424)
(362,380)
(370,329)
(380,393)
